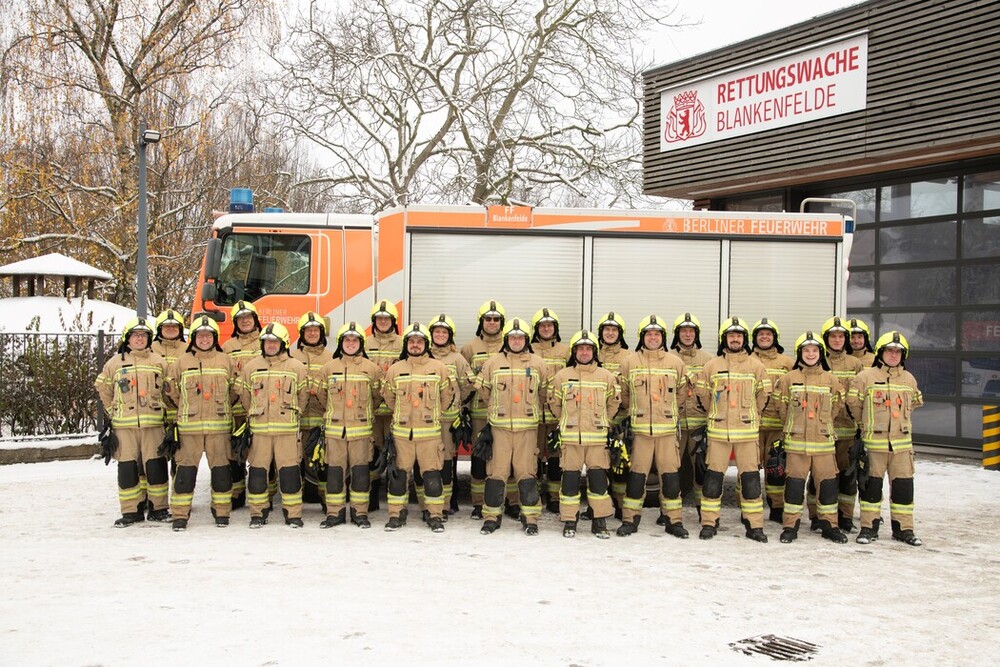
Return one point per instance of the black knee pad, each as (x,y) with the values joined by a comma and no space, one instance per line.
(335,479)
(619,478)
(290,479)
(597,481)
(872,493)
(848,481)
(828,492)
(712,488)
(446,473)
(553,471)
(773,478)
(222,479)
(495,491)
(570,482)
(433,487)
(185,477)
(795,490)
(418,478)
(901,491)
(257,480)
(750,481)
(478,468)
(635,486)
(128,474)
(156,471)
(528,490)
(237,470)
(360,481)
(670,483)
(397,482)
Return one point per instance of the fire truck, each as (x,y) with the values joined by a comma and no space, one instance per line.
(581,263)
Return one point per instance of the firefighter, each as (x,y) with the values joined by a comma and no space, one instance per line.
(243,347)
(169,340)
(383,347)
(584,397)
(612,352)
(547,343)
(513,384)
(652,379)
(201,384)
(734,388)
(444,350)
(418,389)
(488,341)
(130,387)
(350,389)
(273,390)
(845,367)
(806,401)
(883,398)
(311,350)
(861,345)
(687,344)
(767,348)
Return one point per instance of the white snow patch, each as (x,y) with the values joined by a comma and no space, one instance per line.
(53,314)
(77,591)
(54,264)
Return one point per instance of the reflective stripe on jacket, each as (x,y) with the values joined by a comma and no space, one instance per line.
(418,390)
(202,386)
(651,381)
(584,398)
(514,387)
(130,387)
(884,400)
(477,352)
(273,391)
(734,388)
(350,388)
(806,401)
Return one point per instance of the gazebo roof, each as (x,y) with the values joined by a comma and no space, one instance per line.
(53,264)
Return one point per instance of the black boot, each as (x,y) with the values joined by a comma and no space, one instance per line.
(815,524)
(530,529)
(707,532)
(477,512)
(513,511)
(552,505)
(490,526)
(775,514)
(393,524)
(845,523)
(757,535)
(335,519)
(569,529)
(677,530)
(128,518)
(628,528)
(239,500)
(373,494)
(180,525)
(161,516)
(833,533)
(436,524)
(599,528)
(866,536)
(221,521)
(588,514)
(361,520)
(905,536)
(662,520)
(258,521)
(789,535)
(294,522)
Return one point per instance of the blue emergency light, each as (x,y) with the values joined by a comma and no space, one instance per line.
(241,200)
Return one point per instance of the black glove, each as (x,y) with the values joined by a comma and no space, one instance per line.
(171,442)
(241,441)
(387,456)
(108,441)
(314,440)
(461,428)
(700,454)
(774,468)
(862,465)
(483,449)
(553,441)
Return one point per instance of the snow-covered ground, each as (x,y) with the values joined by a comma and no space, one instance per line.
(77,591)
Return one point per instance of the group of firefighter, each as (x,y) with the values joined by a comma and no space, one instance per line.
(545,421)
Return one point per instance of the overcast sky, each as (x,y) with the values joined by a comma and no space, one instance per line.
(729,21)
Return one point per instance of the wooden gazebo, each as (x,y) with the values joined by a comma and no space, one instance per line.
(29,275)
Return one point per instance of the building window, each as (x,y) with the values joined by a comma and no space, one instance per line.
(920,199)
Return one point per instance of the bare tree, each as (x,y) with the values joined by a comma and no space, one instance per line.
(470,100)
(76,77)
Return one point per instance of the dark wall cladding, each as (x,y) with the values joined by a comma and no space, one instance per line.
(932,88)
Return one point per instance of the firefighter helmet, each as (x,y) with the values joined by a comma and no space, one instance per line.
(651,323)
(493,309)
(544,315)
(243,308)
(169,316)
(810,338)
(892,339)
(764,323)
(612,319)
(584,337)
(136,324)
(686,320)
(836,324)
(311,319)
(859,326)
(350,329)
(204,323)
(387,309)
(275,331)
(415,330)
(733,325)
(517,325)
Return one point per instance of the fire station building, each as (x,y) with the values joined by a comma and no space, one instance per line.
(894,105)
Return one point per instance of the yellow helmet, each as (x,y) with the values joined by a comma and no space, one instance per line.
(350,329)
(136,324)
(494,309)
(652,323)
(730,325)
(612,319)
(275,331)
(859,326)
(544,315)
(836,324)
(764,323)
(517,325)
(204,323)
(386,308)
(810,338)
(686,320)
(891,339)
(243,308)
(169,316)
(311,319)
(443,320)
(584,337)
(419,330)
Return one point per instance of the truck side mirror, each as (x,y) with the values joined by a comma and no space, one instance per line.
(213,255)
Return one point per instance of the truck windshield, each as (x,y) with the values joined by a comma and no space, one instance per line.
(254,265)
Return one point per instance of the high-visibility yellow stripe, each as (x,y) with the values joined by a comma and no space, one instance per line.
(991,432)
(990,446)
(991,461)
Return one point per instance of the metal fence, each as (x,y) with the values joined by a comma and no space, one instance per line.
(47,382)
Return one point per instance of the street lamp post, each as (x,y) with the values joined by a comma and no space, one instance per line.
(146,137)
